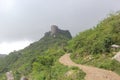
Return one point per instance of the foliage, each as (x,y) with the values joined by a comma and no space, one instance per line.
(98,39)
(39,61)
(36,60)
(93,46)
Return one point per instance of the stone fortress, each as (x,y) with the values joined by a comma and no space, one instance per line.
(56,31)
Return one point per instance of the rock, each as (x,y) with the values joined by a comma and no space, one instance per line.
(55,31)
(115,46)
(9,76)
(69,73)
(23,78)
(117,57)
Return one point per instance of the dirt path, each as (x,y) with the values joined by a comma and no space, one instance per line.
(92,73)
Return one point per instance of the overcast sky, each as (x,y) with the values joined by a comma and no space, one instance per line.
(25,21)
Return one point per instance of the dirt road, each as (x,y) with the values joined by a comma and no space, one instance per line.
(92,73)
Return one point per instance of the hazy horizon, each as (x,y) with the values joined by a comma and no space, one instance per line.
(25,21)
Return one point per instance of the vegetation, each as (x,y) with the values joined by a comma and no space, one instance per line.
(39,61)
(93,46)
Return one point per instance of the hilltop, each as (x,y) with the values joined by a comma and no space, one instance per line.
(55,32)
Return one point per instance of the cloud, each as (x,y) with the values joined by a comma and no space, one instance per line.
(29,20)
(6,48)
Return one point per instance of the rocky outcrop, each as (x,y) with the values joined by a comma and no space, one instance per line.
(23,78)
(117,57)
(55,31)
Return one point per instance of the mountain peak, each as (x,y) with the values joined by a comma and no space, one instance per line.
(56,31)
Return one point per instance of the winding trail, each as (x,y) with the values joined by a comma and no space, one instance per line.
(92,73)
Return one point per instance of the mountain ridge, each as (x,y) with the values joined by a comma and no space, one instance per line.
(23,62)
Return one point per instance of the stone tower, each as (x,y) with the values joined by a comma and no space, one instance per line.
(54,29)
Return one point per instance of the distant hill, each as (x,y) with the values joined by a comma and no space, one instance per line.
(2,55)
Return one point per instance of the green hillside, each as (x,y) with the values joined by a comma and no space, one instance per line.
(39,61)
(93,46)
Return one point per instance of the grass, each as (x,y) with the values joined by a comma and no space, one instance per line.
(103,61)
(59,72)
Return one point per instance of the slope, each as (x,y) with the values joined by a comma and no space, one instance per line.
(93,46)
(92,73)
(26,61)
